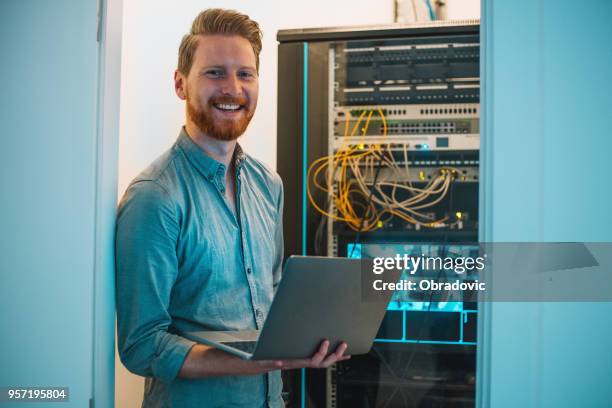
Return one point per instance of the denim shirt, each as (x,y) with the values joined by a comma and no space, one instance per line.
(186,261)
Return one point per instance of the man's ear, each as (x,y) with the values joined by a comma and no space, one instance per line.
(180,85)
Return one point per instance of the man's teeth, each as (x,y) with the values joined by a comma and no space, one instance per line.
(228,106)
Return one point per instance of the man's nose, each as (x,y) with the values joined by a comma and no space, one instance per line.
(231,85)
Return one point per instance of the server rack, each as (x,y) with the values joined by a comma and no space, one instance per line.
(419,88)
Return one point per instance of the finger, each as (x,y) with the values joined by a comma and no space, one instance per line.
(324,347)
(318,357)
(341,349)
(336,356)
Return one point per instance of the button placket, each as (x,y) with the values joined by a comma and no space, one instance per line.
(220,182)
(258,321)
(245,257)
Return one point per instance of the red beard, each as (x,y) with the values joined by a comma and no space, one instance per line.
(224,129)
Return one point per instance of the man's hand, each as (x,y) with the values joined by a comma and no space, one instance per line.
(205,361)
(320,359)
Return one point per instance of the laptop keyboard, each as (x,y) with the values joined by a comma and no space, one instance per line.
(246,346)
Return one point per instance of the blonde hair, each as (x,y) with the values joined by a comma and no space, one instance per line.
(218,21)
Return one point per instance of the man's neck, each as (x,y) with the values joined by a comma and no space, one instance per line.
(220,150)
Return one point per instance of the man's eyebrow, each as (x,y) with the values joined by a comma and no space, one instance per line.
(212,67)
(247,67)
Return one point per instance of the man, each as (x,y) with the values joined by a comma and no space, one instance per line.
(199,236)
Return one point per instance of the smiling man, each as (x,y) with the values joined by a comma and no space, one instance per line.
(199,236)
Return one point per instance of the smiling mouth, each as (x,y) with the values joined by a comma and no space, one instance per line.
(228,107)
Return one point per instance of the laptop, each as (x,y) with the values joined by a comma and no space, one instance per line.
(318,298)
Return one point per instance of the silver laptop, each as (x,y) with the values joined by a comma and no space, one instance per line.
(318,298)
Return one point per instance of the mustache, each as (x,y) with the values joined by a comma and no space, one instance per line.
(228,100)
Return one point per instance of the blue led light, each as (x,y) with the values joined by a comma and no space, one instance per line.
(304,181)
(354,251)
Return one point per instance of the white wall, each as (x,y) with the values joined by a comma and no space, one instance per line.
(151,114)
(462,9)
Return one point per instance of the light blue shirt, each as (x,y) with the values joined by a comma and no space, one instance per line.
(186,261)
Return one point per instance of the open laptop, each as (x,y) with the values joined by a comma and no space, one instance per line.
(318,298)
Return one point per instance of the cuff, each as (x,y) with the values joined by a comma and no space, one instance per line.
(168,363)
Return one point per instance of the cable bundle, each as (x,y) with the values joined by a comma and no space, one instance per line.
(365,205)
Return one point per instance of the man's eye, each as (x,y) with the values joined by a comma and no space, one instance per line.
(246,75)
(214,73)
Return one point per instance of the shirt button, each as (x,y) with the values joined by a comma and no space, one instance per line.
(249,271)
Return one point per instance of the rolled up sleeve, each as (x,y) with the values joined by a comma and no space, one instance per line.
(146,269)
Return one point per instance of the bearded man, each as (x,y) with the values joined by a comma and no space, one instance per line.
(199,236)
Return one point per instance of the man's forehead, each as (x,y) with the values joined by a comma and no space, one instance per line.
(224,50)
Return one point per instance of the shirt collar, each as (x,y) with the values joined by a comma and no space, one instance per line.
(210,167)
